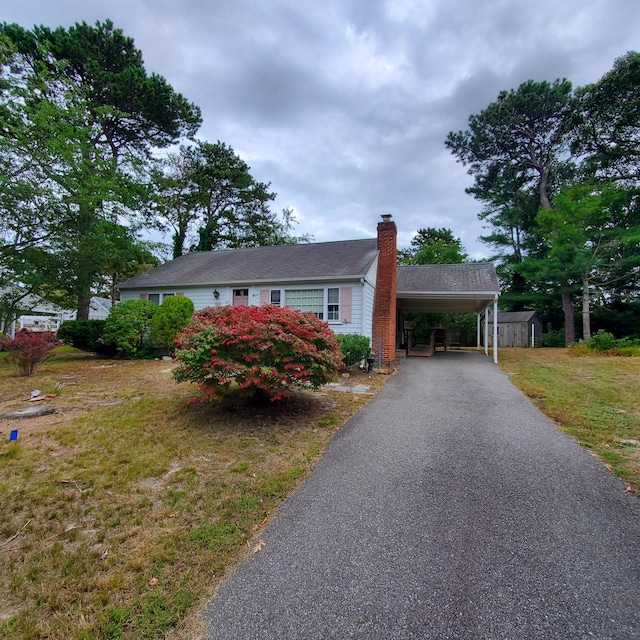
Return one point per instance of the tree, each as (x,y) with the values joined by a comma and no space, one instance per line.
(124,257)
(433,246)
(265,351)
(517,148)
(83,116)
(206,192)
(608,123)
(589,240)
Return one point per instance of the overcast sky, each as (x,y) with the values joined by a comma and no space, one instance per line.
(344,105)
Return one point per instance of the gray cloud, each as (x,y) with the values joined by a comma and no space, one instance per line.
(344,106)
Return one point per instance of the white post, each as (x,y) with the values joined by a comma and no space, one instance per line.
(486,332)
(478,329)
(533,335)
(495,329)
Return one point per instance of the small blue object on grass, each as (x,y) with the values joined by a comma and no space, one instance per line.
(13,435)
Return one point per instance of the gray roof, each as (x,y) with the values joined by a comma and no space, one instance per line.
(515,316)
(443,278)
(344,260)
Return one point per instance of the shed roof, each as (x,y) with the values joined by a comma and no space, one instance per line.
(515,316)
(344,260)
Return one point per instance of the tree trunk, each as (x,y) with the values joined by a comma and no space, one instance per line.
(545,202)
(84,302)
(586,308)
(567,307)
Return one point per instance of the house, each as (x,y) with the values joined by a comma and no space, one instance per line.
(37,314)
(518,329)
(354,285)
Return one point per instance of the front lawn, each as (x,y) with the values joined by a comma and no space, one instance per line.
(122,510)
(593,397)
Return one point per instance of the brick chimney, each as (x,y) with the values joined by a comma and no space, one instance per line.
(384,302)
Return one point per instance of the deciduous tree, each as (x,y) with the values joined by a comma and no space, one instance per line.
(82,117)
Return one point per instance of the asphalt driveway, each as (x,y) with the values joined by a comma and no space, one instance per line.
(449,507)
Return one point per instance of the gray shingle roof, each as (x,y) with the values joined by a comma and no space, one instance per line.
(514,316)
(461,278)
(323,260)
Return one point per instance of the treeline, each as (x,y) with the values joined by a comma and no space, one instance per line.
(80,174)
(558,173)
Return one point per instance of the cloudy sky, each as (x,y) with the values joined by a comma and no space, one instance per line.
(344,105)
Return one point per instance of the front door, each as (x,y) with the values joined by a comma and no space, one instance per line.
(241,297)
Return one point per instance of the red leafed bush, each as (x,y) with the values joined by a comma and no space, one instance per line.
(28,350)
(266,351)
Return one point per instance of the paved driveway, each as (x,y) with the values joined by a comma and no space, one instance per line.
(448,508)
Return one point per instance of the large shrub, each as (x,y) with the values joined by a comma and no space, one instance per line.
(173,315)
(128,325)
(266,351)
(353,348)
(82,334)
(28,350)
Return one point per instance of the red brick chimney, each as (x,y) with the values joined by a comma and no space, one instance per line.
(384,302)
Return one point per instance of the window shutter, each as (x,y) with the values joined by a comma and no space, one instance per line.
(143,296)
(345,304)
(265,296)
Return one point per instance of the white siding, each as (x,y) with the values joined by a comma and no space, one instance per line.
(362,306)
(368,292)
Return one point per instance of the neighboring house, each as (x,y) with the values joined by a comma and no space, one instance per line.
(518,329)
(37,314)
(354,285)
(98,309)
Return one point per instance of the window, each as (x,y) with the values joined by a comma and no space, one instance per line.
(306,300)
(333,306)
(156,297)
(275,296)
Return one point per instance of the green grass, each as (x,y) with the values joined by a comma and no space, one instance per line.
(592,397)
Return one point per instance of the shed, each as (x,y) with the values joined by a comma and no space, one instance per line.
(518,329)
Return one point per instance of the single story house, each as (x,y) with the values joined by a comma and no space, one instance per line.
(36,314)
(356,286)
(518,329)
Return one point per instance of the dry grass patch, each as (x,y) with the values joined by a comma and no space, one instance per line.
(592,397)
(122,510)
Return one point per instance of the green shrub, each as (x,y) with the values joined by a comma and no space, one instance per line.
(127,327)
(173,315)
(28,350)
(605,342)
(82,334)
(353,348)
(266,351)
(553,338)
(601,341)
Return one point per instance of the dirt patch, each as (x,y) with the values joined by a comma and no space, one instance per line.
(81,384)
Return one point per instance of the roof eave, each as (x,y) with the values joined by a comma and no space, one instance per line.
(228,283)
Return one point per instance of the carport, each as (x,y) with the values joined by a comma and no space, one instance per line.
(450,288)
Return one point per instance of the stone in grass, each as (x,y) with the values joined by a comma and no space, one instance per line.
(30,411)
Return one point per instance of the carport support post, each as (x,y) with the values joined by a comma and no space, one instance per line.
(486,332)
(478,329)
(495,329)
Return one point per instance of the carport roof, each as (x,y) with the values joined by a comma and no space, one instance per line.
(446,288)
